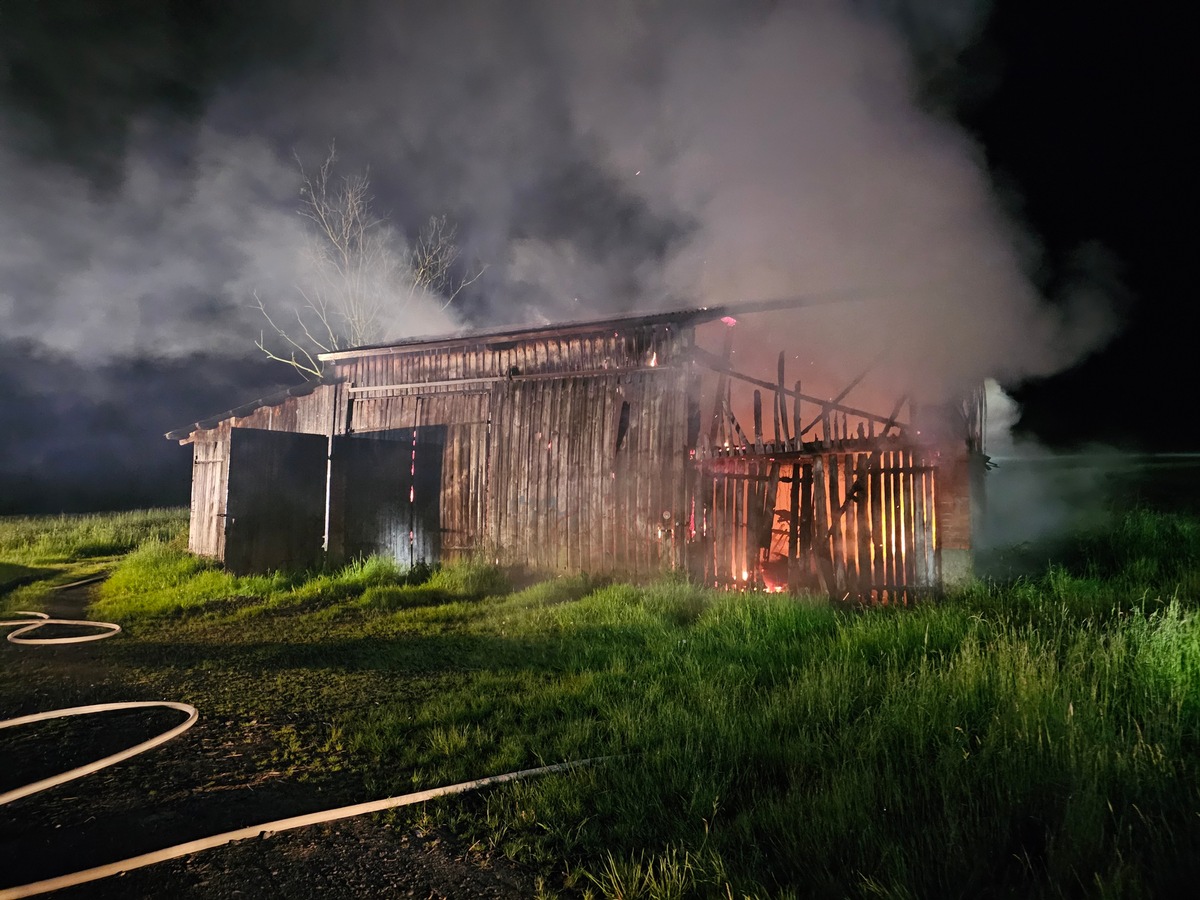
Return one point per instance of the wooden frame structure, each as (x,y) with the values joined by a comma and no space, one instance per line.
(604,446)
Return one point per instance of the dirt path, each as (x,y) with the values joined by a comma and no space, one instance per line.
(205,782)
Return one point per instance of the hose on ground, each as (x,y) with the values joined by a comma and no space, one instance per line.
(268,828)
(217,840)
(41,620)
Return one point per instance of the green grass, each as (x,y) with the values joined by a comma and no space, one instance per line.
(1033,739)
(47,550)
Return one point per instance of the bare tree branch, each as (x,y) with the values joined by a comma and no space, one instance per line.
(362,274)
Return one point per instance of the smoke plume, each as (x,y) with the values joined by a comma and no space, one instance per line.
(597,158)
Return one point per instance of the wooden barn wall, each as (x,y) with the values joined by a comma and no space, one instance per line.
(582,472)
(568,474)
(859,524)
(313,413)
(210,474)
(588,474)
(579,453)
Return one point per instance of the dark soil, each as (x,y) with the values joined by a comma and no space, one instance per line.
(209,780)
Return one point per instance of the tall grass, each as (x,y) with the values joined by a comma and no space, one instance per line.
(50,540)
(61,548)
(1037,739)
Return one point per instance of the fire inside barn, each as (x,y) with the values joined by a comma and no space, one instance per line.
(618,446)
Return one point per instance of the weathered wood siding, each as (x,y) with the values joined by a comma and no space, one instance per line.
(587,474)
(210,485)
(564,453)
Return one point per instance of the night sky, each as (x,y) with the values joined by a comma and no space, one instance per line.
(1004,184)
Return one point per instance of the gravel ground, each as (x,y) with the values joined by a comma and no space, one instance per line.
(204,782)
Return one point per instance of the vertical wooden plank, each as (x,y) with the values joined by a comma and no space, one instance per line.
(504,450)
(822,552)
(556,446)
(836,523)
(898,523)
(796,426)
(909,524)
(580,473)
(920,535)
(880,576)
(754,504)
(794,530)
(758,424)
(530,463)
(641,426)
(602,464)
(721,527)
(850,524)
(563,449)
(863,523)
(534,465)
(483,504)
(805,551)
(889,522)
(708,486)
(770,500)
(586,477)
(781,408)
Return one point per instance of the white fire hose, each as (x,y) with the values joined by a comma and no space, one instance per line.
(217,840)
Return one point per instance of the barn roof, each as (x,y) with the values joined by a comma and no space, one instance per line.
(694,316)
(296,390)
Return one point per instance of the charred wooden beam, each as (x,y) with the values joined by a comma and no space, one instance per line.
(781,411)
(722,382)
(713,362)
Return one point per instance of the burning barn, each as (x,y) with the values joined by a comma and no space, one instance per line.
(619,445)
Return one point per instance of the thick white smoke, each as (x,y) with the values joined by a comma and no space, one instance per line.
(599,158)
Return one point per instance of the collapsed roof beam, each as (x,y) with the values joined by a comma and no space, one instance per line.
(713,362)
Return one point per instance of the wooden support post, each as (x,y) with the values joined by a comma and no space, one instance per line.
(719,399)
(821,544)
(862,514)
(796,416)
(805,547)
(877,524)
(781,410)
(794,530)
(758,435)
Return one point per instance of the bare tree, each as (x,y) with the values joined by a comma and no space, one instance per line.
(362,275)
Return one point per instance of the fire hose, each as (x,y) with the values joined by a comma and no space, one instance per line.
(265,829)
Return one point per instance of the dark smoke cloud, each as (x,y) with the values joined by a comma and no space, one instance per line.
(598,157)
(82,435)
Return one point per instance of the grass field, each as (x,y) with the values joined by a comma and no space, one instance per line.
(1037,739)
(49,550)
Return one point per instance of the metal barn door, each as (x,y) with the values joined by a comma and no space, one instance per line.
(275,507)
